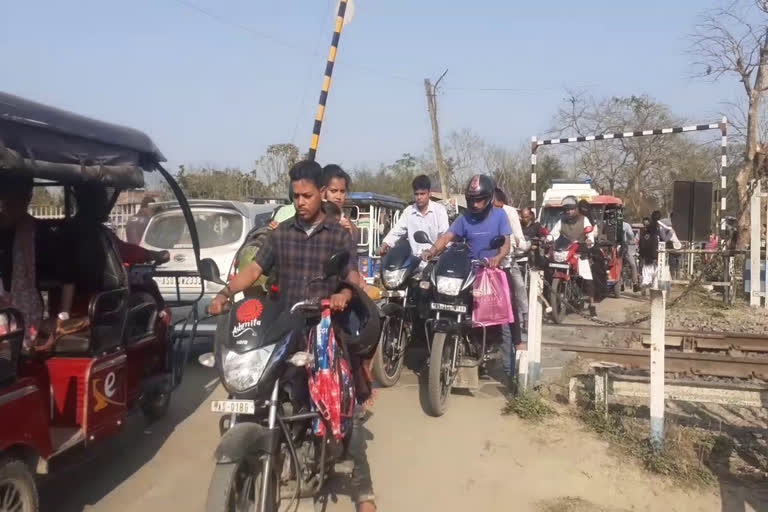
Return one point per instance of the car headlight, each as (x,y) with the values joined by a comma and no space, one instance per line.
(561,256)
(449,285)
(243,371)
(393,278)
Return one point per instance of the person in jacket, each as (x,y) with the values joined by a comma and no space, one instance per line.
(479,225)
(573,226)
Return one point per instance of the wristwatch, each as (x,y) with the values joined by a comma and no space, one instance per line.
(63,316)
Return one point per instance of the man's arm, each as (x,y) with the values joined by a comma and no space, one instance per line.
(592,234)
(399,230)
(555,233)
(438,246)
(442,220)
(517,229)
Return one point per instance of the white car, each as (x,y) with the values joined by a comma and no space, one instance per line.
(221,227)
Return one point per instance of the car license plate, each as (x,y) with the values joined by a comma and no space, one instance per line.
(562,266)
(453,308)
(183,281)
(234,406)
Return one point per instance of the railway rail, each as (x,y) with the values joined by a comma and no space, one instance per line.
(688,363)
(733,343)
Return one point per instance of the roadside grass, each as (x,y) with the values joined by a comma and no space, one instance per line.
(529,406)
(684,457)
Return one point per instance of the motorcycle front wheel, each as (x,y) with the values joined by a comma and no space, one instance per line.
(440,373)
(237,487)
(558,300)
(390,355)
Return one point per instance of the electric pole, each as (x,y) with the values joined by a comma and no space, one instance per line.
(432,106)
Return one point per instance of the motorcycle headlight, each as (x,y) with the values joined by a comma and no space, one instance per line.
(449,285)
(561,256)
(243,371)
(393,278)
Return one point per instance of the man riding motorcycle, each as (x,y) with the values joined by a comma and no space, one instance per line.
(298,249)
(481,223)
(572,226)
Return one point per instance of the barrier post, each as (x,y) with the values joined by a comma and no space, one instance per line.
(535,319)
(658,325)
(754,245)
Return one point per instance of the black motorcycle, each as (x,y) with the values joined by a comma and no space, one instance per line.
(399,267)
(271,448)
(456,354)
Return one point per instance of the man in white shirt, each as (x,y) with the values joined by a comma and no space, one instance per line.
(424,215)
(518,244)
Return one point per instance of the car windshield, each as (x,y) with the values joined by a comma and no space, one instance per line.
(215,228)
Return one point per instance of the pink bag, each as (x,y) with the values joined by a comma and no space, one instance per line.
(493,305)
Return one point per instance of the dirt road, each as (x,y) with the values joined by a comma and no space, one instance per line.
(471,459)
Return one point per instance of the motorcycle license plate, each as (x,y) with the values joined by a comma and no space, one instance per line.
(454,308)
(561,266)
(233,406)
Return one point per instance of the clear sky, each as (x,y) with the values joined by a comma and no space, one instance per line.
(218,91)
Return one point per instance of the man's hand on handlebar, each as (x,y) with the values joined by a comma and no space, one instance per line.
(340,301)
(217,304)
(161,257)
(384,249)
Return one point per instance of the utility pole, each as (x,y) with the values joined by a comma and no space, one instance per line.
(432,106)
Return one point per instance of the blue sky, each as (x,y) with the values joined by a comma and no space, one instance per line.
(219,92)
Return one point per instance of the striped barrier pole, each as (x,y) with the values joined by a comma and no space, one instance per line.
(722,126)
(327,80)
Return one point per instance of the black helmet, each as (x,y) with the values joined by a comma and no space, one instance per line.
(479,186)
(367,324)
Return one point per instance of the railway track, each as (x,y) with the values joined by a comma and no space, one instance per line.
(731,343)
(688,363)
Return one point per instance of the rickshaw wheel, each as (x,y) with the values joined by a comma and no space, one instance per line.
(156,404)
(17,487)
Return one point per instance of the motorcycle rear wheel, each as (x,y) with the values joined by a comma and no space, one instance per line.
(236,487)
(440,376)
(387,370)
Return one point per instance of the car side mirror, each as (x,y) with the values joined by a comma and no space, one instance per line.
(497,242)
(336,264)
(209,271)
(421,237)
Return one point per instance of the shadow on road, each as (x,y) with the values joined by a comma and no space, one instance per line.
(107,466)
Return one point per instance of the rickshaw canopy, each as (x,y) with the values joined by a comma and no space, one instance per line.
(606,200)
(58,145)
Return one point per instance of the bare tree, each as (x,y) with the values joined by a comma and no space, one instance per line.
(274,165)
(733,41)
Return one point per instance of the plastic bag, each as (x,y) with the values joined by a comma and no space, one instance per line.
(492,304)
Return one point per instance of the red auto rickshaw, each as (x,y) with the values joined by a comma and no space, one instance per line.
(124,356)
(608,214)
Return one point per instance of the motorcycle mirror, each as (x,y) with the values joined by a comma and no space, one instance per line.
(497,242)
(421,237)
(209,271)
(207,359)
(336,264)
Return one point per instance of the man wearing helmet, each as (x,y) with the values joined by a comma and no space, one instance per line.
(573,226)
(480,224)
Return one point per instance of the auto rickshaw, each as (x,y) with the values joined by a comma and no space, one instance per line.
(122,357)
(608,214)
(374,215)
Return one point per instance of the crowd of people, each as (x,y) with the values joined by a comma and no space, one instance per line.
(295,246)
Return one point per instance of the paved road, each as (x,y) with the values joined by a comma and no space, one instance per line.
(470,459)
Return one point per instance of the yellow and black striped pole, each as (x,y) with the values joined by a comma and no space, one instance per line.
(327,79)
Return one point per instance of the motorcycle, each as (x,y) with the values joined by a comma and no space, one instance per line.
(565,288)
(455,354)
(399,268)
(279,441)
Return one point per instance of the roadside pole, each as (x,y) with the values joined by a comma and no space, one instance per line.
(534,327)
(754,246)
(658,326)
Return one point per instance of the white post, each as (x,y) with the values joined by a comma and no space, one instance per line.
(658,325)
(754,246)
(534,326)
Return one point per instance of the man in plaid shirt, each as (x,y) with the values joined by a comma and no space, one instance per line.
(298,249)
